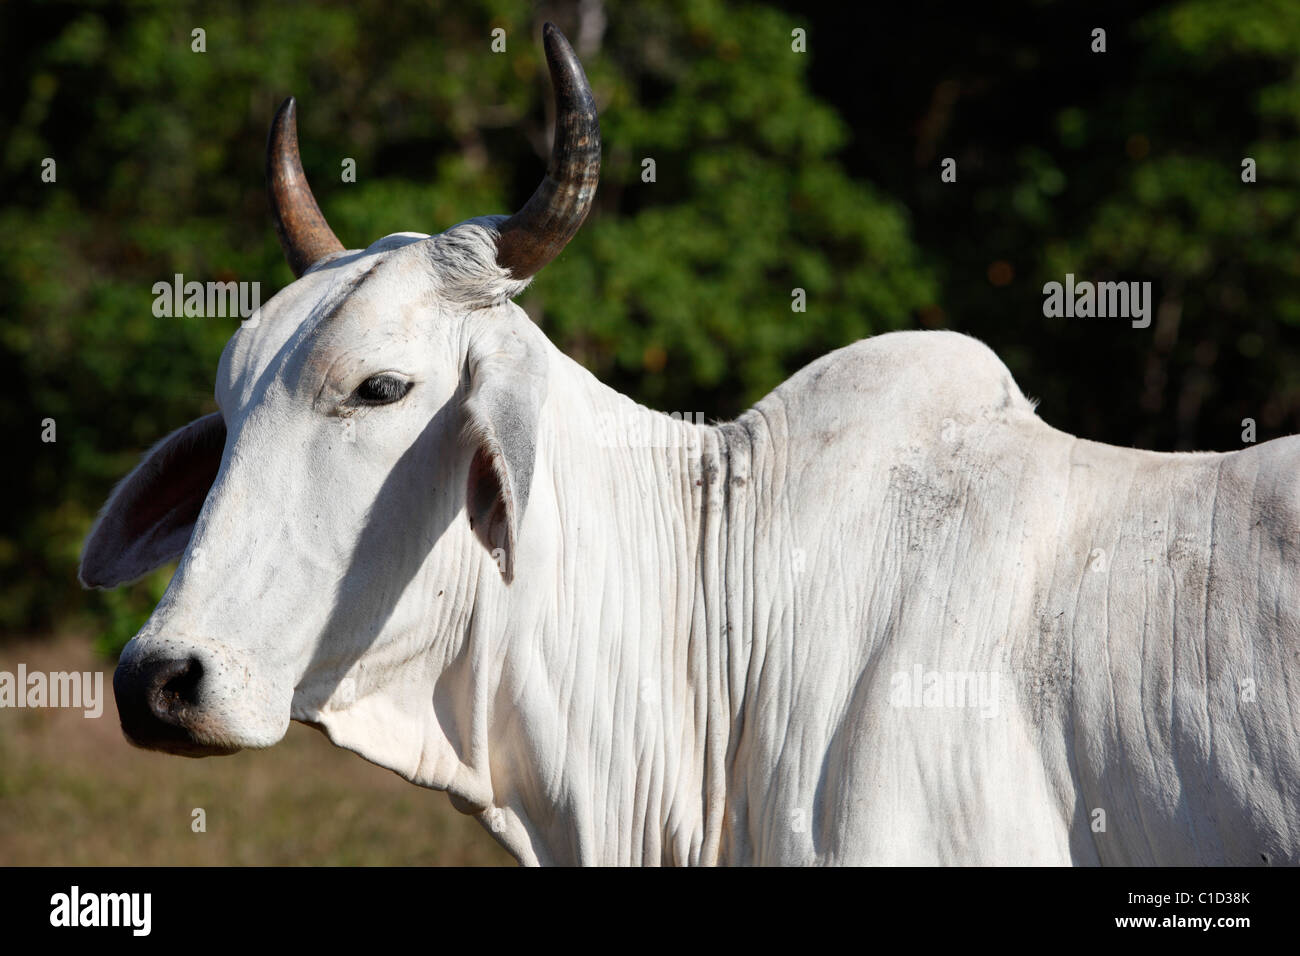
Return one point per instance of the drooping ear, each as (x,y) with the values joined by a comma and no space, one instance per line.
(507,368)
(148,518)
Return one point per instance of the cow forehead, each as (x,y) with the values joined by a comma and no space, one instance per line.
(358,300)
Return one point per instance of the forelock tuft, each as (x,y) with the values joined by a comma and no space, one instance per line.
(465,262)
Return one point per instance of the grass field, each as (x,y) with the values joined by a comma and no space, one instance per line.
(73,792)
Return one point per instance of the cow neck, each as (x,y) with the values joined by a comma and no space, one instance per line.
(633,718)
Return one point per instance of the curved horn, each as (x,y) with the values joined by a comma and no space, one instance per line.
(534,235)
(304,234)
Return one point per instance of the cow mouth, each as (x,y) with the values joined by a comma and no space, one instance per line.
(178,744)
(182,745)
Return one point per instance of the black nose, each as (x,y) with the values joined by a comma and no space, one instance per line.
(157,701)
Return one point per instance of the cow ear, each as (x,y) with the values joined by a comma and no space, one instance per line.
(151,513)
(507,370)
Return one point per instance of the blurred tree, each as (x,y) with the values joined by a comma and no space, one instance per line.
(1118,165)
(678,291)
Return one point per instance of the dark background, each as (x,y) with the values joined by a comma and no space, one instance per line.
(774,170)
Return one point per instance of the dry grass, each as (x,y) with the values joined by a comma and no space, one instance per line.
(73,792)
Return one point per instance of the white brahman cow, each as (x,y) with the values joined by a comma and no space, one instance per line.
(886,616)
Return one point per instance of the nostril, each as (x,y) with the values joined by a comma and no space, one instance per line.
(174,689)
(159,702)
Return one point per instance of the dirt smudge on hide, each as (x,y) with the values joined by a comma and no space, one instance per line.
(1047,670)
(926,501)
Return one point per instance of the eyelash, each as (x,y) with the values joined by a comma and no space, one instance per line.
(381,390)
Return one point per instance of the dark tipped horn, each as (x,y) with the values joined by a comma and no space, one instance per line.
(534,235)
(304,234)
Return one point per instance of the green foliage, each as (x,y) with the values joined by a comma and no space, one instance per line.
(1124,165)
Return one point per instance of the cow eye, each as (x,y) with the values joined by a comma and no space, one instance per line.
(381,390)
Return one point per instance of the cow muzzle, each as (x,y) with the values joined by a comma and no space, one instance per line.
(158,701)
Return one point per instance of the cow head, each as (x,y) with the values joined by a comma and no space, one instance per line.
(361,491)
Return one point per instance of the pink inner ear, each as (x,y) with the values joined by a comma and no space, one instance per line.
(482,491)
